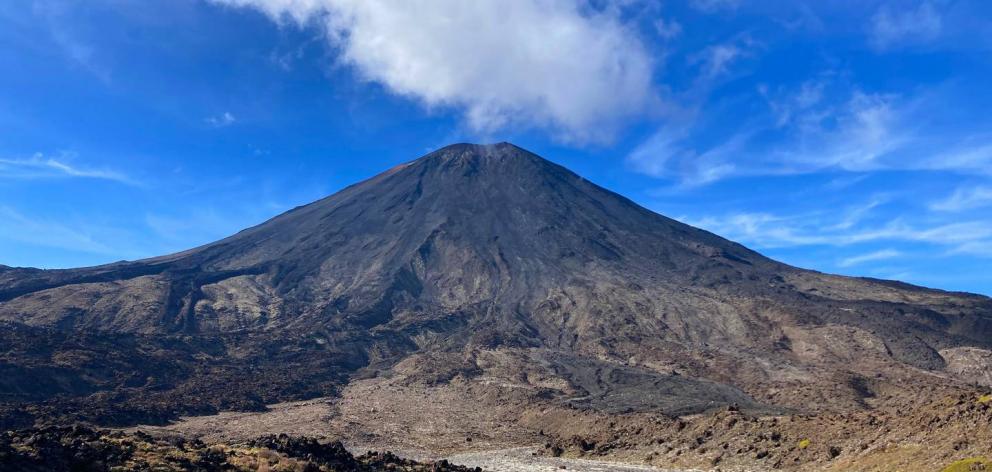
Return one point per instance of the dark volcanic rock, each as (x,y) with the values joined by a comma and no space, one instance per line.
(470,247)
(80,449)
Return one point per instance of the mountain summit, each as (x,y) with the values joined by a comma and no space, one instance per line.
(476,262)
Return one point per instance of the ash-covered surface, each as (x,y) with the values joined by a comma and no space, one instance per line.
(614,388)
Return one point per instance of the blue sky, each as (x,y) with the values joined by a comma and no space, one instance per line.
(844,136)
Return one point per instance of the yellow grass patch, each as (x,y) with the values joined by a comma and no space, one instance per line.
(968,465)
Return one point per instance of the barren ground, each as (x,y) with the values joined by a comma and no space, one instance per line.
(415,422)
(499,426)
(523,459)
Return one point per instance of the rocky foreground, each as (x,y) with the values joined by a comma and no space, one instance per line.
(951,433)
(79,448)
(926,432)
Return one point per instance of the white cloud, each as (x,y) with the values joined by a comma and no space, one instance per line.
(714,63)
(841,183)
(668,30)
(769,231)
(762,230)
(61,23)
(974,248)
(712,6)
(45,233)
(554,64)
(204,224)
(39,166)
(818,127)
(974,154)
(797,105)
(964,198)
(716,59)
(668,153)
(854,215)
(222,120)
(869,257)
(854,136)
(818,140)
(893,28)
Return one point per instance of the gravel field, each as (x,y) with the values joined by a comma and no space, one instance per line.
(521,459)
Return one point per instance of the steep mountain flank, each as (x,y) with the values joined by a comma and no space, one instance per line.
(482,263)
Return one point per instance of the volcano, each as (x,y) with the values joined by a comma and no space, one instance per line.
(481,264)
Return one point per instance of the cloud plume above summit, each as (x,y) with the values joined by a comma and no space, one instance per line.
(556,65)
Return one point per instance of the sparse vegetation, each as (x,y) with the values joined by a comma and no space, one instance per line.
(969,465)
(804,443)
(985,398)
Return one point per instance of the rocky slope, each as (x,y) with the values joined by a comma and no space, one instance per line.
(931,432)
(83,449)
(485,264)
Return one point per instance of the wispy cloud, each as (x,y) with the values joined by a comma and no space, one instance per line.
(855,214)
(869,257)
(970,153)
(840,183)
(567,67)
(222,120)
(47,233)
(856,131)
(61,24)
(974,248)
(713,6)
(667,29)
(718,63)
(894,28)
(40,167)
(715,60)
(964,198)
(670,154)
(768,231)
(794,106)
(819,126)
(203,225)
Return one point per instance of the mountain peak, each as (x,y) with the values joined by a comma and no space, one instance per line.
(502,164)
(478,153)
(489,149)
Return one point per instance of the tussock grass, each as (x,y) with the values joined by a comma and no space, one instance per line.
(969,465)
